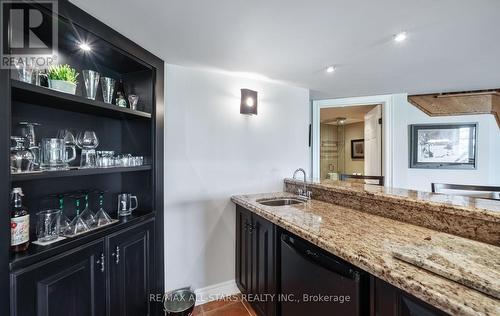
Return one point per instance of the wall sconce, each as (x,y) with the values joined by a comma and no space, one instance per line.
(248,102)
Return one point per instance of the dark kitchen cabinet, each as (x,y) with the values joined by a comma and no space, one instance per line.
(391,301)
(70,284)
(91,280)
(256,260)
(131,271)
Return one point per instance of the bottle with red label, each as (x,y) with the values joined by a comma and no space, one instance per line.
(19,223)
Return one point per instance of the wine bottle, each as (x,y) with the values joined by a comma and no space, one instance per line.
(19,223)
(121,96)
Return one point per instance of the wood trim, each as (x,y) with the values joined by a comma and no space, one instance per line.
(460,103)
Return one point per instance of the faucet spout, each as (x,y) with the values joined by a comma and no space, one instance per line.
(303,192)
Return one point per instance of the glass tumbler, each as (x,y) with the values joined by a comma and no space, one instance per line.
(108,88)
(25,72)
(48,223)
(91,79)
(132,100)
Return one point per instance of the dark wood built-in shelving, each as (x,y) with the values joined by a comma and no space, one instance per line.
(85,269)
(30,93)
(75,172)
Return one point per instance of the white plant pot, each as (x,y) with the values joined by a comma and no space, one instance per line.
(63,86)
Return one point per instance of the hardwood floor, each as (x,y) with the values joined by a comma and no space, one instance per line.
(232,306)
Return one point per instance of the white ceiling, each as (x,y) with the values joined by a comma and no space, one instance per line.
(452,44)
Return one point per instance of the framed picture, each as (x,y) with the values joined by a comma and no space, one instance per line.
(358,149)
(443,146)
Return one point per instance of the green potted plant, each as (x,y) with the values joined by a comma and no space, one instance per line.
(62,78)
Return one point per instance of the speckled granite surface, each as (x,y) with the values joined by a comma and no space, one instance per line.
(367,241)
(477,219)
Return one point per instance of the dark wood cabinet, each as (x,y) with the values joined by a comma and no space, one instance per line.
(258,274)
(391,301)
(91,280)
(65,277)
(131,271)
(256,260)
(70,284)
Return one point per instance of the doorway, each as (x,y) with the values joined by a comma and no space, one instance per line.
(387,101)
(350,141)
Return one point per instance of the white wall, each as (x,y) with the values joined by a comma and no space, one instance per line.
(488,150)
(213,152)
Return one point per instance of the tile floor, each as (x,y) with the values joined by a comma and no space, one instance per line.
(232,306)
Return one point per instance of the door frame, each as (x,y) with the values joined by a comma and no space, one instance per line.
(387,102)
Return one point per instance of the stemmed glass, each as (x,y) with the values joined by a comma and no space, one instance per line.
(102,218)
(87,141)
(87,214)
(64,219)
(77,225)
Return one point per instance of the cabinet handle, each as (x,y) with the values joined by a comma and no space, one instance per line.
(116,254)
(101,262)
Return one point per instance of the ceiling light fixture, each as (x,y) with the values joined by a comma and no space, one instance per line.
(330,69)
(85,47)
(400,37)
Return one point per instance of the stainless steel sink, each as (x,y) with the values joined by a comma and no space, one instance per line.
(280,201)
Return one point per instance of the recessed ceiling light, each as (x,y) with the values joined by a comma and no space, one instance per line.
(330,69)
(400,37)
(85,47)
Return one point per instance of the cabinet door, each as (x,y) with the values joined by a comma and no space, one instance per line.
(263,266)
(243,249)
(72,283)
(391,301)
(130,268)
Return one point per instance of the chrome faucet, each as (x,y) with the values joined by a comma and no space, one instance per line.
(303,192)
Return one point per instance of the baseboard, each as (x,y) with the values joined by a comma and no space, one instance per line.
(216,292)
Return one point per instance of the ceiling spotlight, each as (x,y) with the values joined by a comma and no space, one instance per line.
(330,69)
(400,37)
(85,47)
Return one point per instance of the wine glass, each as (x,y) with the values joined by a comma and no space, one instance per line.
(87,141)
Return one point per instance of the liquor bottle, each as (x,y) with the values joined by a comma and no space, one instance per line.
(19,223)
(121,96)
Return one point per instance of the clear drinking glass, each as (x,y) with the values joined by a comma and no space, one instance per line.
(102,218)
(87,215)
(87,141)
(64,220)
(108,88)
(69,141)
(29,133)
(77,225)
(91,79)
(53,154)
(132,100)
(47,228)
(25,72)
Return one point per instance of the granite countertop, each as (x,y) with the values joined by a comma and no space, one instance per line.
(368,240)
(463,205)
